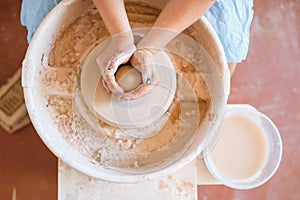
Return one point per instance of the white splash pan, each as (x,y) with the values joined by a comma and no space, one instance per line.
(51,27)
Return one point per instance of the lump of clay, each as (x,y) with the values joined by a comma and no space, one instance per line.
(128,78)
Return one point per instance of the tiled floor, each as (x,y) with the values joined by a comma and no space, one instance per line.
(268,80)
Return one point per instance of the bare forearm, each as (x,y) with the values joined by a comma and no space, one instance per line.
(114,15)
(175,17)
(180,14)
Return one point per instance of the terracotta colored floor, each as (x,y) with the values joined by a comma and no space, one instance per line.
(268,80)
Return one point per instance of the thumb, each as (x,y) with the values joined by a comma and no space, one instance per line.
(143,61)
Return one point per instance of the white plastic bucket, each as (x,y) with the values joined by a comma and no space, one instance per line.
(60,18)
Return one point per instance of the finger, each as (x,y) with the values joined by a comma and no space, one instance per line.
(143,61)
(136,60)
(115,61)
(141,91)
(122,57)
(112,85)
(148,68)
(138,93)
(147,73)
(105,86)
(109,78)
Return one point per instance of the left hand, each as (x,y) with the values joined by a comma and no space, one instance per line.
(118,52)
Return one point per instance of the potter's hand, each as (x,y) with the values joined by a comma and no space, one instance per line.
(142,60)
(118,52)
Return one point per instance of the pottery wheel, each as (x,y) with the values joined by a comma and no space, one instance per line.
(133,113)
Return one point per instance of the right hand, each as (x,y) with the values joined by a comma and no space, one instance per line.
(118,52)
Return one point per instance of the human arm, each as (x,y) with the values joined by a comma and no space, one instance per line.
(174,18)
(122,45)
(114,15)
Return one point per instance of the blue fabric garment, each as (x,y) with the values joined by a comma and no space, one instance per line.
(230,18)
(33,13)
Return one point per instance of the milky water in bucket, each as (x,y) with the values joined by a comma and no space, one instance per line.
(249,149)
(242,149)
